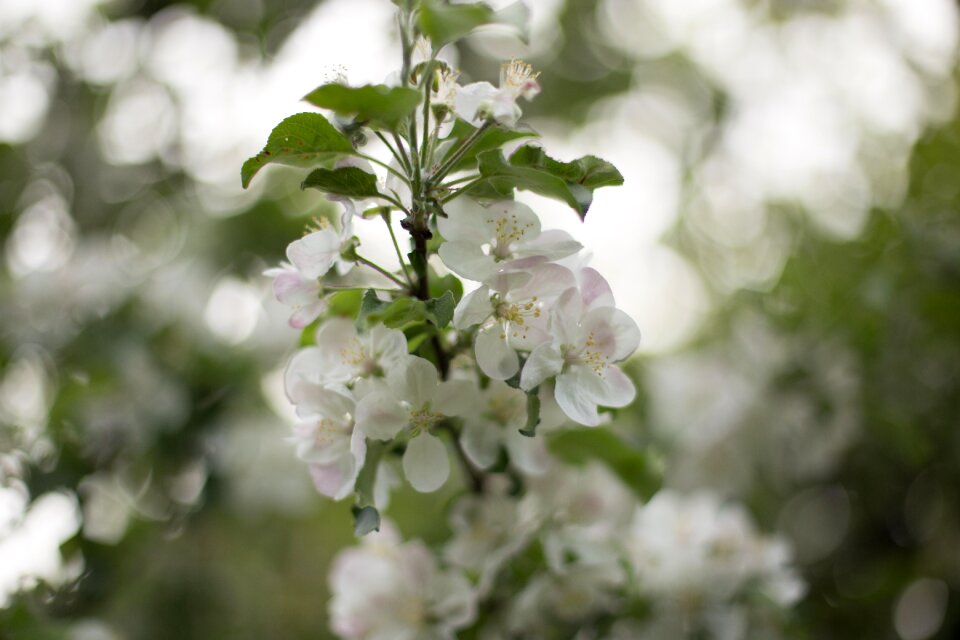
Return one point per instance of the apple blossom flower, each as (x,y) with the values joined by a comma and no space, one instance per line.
(511,312)
(488,532)
(341,355)
(296,282)
(415,400)
(384,589)
(696,549)
(587,343)
(494,423)
(327,440)
(482,240)
(479,101)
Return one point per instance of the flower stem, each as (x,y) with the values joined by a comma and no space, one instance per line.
(451,162)
(381,270)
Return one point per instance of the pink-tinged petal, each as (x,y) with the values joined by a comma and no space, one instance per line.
(612,332)
(415,381)
(380,415)
(456,398)
(425,463)
(314,254)
(473,308)
(291,288)
(595,289)
(466,221)
(481,442)
(544,362)
(467,260)
(552,244)
(494,356)
(565,318)
(472,98)
(547,281)
(573,395)
(303,316)
(329,479)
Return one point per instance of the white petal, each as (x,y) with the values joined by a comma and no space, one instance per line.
(614,333)
(473,308)
(465,222)
(615,389)
(381,416)
(415,381)
(316,399)
(544,362)
(481,442)
(565,318)
(388,346)
(471,98)
(526,453)
(425,463)
(314,254)
(304,315)
(575,399)
(306,365)
(456,398)
(494,356)
(467,259)
(552,244)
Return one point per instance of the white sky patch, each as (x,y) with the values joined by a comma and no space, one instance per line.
(233,310)
(31,550)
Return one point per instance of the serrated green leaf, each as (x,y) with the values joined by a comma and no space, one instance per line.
(443,23)
(589,172)
(345,181)
(502,177)
(633,466)
(302,140)
(492,138)
(439,285)
(370,304)
(375,105)
(440,310)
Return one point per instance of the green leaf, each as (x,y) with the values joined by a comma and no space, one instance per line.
(345,181)
(589,172)
(439,285)
(502,178)
(440,310)
(636,468)
(345,304)
(375,105)
(443,23)
(370,304)
(302,140)
(365,520)
(533,413)
(492,138)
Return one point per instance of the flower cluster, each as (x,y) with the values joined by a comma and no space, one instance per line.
(491,335)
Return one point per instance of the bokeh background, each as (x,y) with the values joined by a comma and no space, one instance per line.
(788,240)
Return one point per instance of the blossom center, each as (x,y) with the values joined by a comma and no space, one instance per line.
(423,419)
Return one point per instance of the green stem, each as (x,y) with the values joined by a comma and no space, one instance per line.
(451,162)
(396,247)
(385,166)
(393,151)
(403,152)
(462,189)
(381,270)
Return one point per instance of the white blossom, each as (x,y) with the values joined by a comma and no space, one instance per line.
(415,401)
(479,101)
(481,240)
(388,590)
(588,341)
